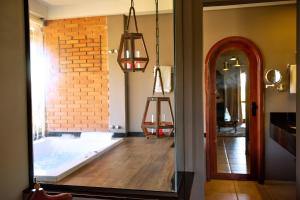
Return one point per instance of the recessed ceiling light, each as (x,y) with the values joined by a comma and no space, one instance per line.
(233,58)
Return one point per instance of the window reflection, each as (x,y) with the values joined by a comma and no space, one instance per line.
(86,114)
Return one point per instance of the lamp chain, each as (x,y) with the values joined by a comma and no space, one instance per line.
(157,35)
(131,11)
(157,73)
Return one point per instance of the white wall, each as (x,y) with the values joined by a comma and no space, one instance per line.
(13,136)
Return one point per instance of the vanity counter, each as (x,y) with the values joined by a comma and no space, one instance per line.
(283,130)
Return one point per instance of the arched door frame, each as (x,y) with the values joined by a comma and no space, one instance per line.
(256,128)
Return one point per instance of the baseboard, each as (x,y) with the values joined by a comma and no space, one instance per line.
(59,134)
(119,135)
(129,134)
(115,134)
(136,134)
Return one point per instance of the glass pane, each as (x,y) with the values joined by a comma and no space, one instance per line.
(231,103)
(87,114)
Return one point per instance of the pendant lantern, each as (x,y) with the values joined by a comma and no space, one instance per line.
(158,124)
(161,121)
(132,53)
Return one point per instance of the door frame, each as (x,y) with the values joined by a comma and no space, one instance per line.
(256,123)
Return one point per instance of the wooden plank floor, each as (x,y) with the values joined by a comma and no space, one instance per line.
(137,163)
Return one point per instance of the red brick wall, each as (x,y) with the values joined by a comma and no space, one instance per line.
(77,98)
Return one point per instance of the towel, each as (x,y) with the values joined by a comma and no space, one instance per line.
(166,75)
(293,77)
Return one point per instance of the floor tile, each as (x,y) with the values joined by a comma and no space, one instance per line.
(221,196)
(250,190)
(219,186)
(281,191)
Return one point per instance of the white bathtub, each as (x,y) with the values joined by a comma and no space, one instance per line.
(57,157)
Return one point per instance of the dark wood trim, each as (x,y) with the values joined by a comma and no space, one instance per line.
(185,181)
(28,92)
(184,184)
(106,193)
(256,127)
(236,2)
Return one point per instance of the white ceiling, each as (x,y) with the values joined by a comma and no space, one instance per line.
(58,9)
(61,9)
(74,2)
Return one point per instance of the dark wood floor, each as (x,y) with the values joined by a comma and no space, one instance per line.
(137,163)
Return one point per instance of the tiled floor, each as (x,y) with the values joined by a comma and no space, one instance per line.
(231,157)
(248,190)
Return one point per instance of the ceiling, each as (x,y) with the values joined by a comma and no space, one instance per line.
(60,9)
(127,2)
(208,3)
(72,2)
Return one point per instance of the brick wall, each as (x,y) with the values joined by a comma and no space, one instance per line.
(77,97)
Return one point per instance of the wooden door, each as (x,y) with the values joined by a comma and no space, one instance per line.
(256,115)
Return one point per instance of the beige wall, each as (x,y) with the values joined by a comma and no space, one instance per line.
(13,132)
(117,81)
(140,84)
(273,30)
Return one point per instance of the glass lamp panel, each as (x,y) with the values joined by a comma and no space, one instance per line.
(151,112)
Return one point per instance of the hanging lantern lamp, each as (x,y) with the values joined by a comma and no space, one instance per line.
(159,120)
(132,53)
(158,123)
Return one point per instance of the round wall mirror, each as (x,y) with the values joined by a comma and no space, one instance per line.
(273,76)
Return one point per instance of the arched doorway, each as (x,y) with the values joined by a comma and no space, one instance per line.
(221,113)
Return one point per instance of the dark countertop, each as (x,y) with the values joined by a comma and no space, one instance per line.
(283,130)
(286,121)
